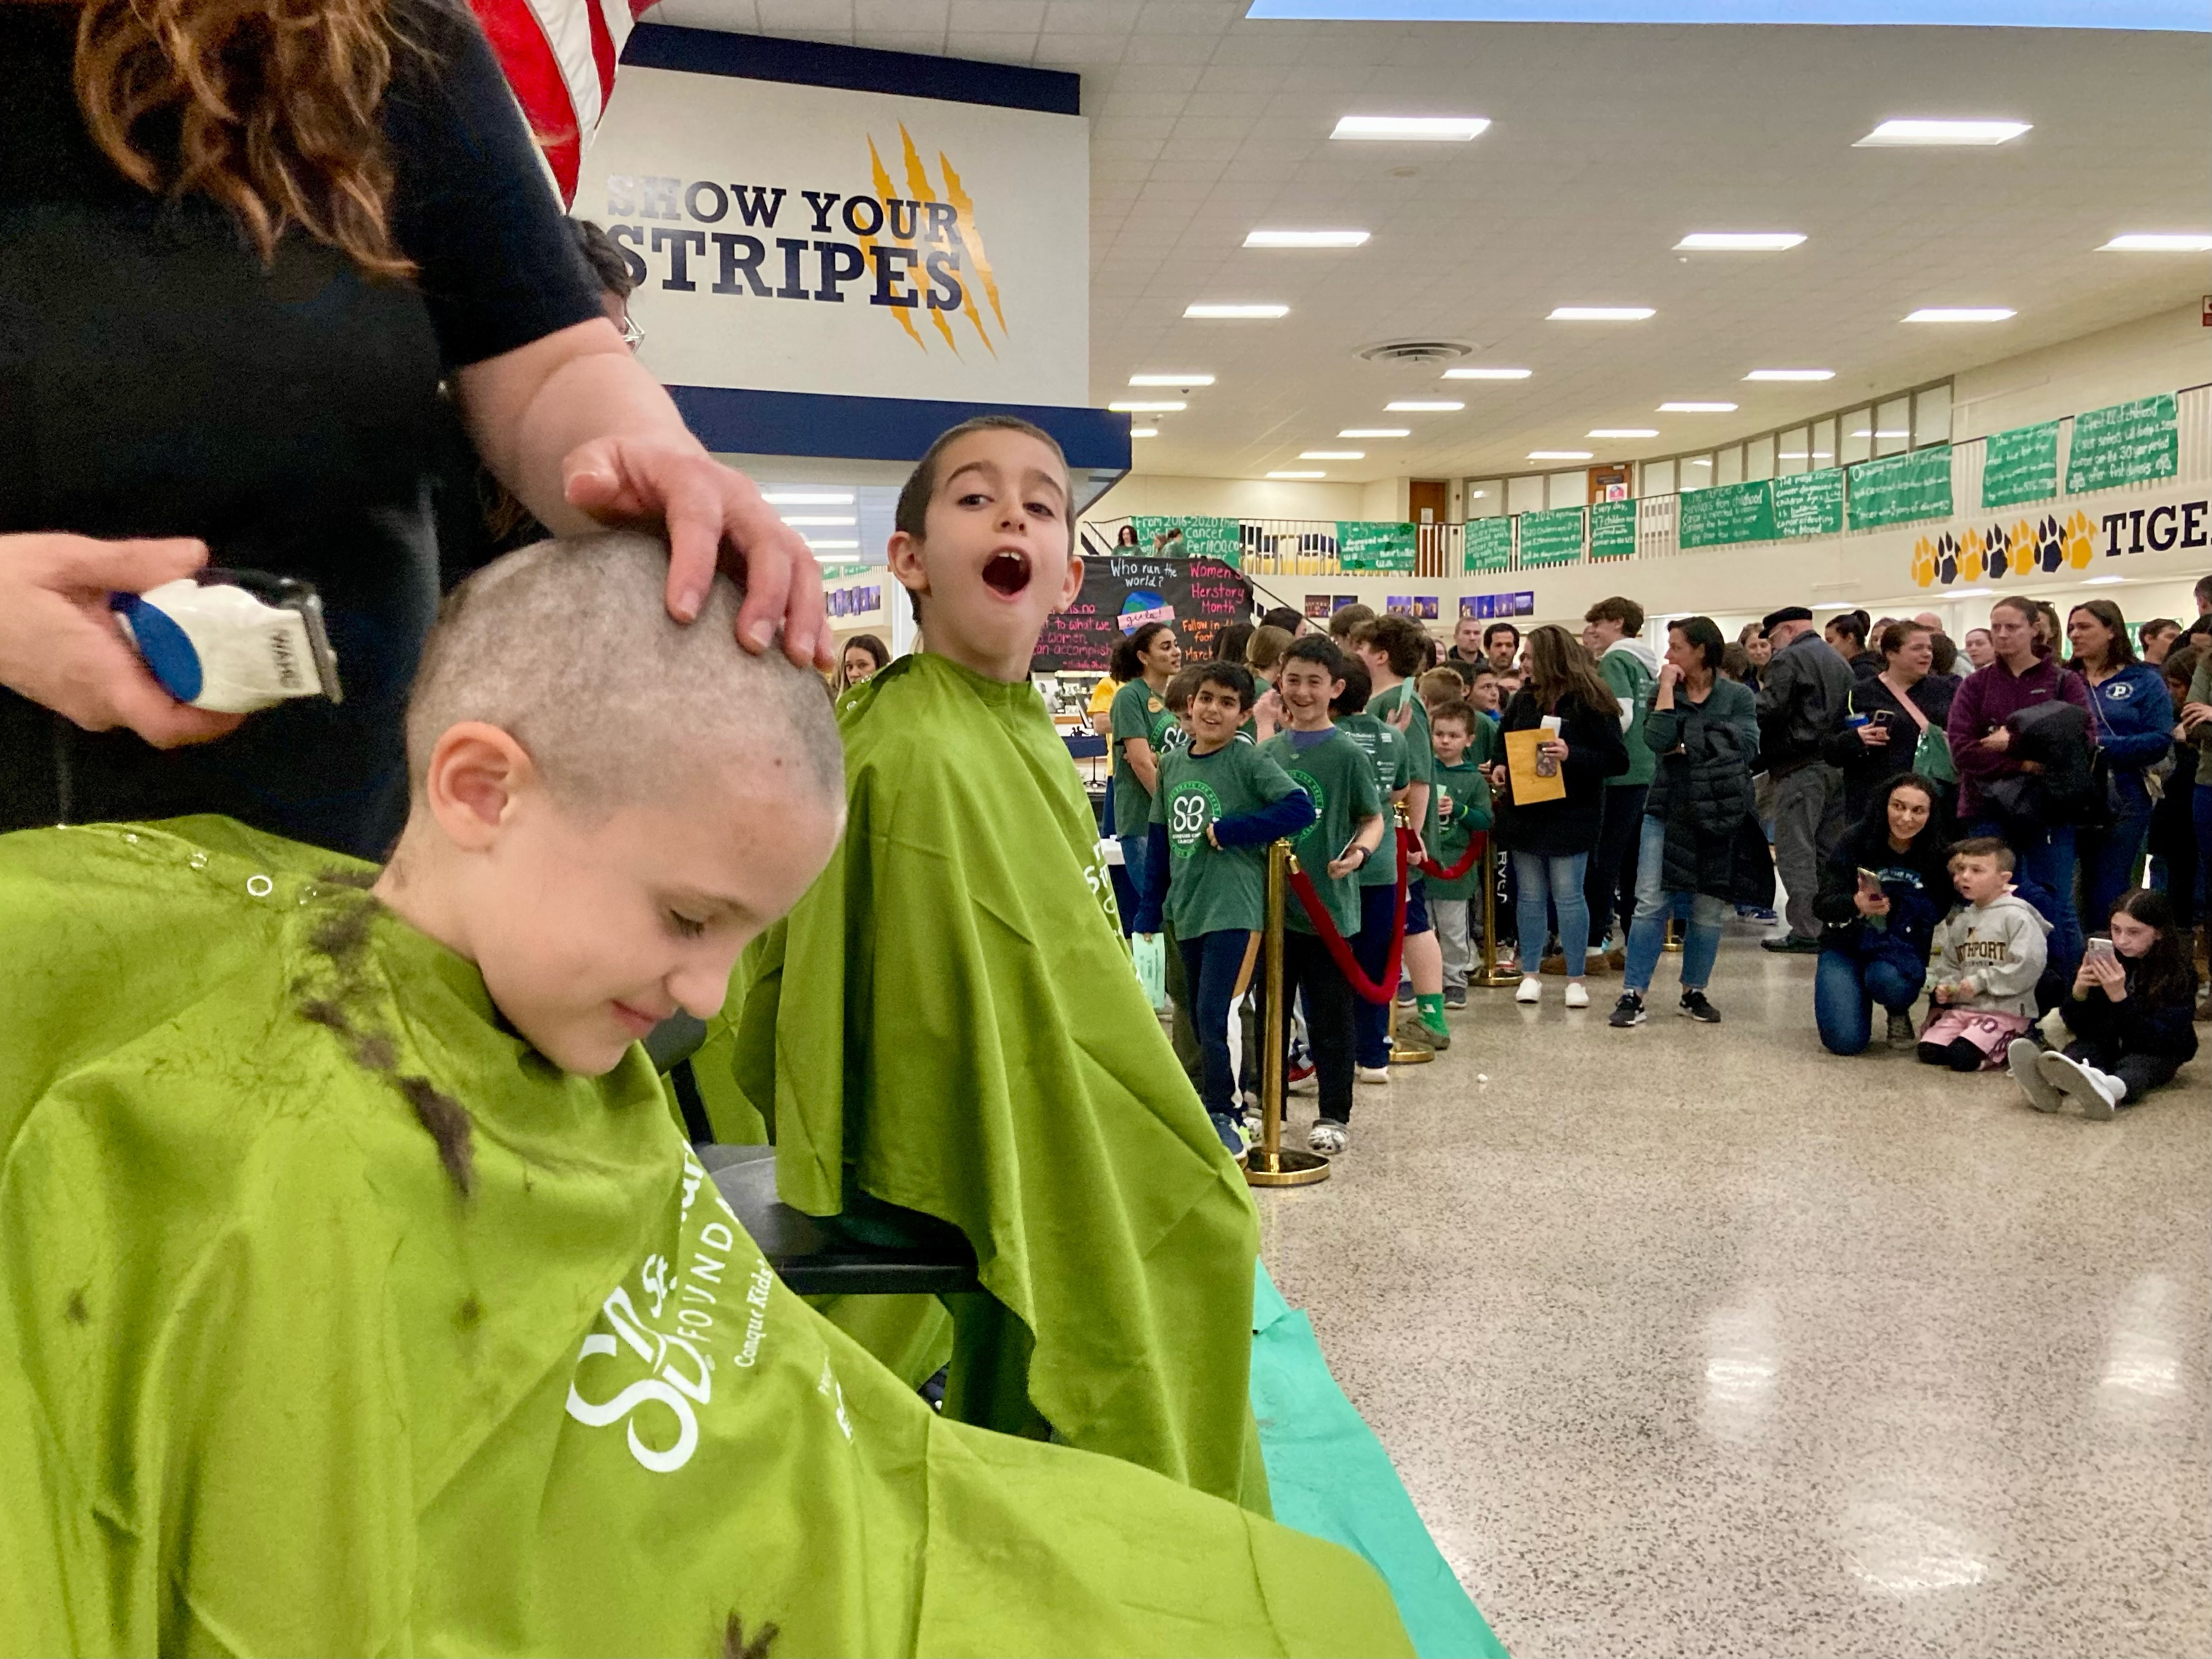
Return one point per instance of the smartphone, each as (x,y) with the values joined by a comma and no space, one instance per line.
(1869,882)
(1346,852)
(2101,945)
(1547,767)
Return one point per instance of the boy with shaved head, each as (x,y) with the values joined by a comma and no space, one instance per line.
(360,1295)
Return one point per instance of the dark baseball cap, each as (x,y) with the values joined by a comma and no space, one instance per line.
(1788,613)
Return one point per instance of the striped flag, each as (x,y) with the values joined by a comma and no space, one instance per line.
(560,58)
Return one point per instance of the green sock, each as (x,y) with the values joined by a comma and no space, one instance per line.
(1432,1011)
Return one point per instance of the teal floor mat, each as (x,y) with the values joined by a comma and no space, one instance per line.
(1328,1476)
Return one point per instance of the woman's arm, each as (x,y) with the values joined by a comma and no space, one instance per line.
(576,428)
(1138,751)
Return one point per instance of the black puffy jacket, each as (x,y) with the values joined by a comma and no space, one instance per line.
(1702,792)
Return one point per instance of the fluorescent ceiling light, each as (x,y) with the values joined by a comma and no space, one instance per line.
(2102,581)
(2159,241)
(1428,128)
(1171,379)
(1422,405)
(1864,432)
(1697,409)
(1236,311)
(1624,432)
(809,498)
(1968,593)
(1559,454)
(1486,373)
(1802,455)
(1738,241)
(1305,238)
(1892,134)
(1791,374)
(1599,313)
(1960,314)
(1297,475)
(815,518)
(1144,432)
(1332,454)
(1476,494)
(832,547)
(2171,15)
(1148,406)
(1701,460)
(1377,432)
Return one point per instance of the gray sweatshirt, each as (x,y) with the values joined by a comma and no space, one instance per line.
(1999,946)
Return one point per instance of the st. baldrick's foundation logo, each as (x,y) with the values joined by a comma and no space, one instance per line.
(912,249)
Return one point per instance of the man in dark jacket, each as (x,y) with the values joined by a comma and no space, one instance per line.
(1802,700)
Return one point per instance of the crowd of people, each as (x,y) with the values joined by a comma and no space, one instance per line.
(2006,834)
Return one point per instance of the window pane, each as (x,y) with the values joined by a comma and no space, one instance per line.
(1857,440)
(1697,472)
(1568,490)
(1794,452)
(1758,458)
(1892,426)
(1525,494)
(1931,416)
(1823,446)
(1730,468)
(1658,478)
(1485,497)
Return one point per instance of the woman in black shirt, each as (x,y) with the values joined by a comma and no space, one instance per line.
(227,301)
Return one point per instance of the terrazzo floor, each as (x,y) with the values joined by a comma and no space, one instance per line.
(1697,1339)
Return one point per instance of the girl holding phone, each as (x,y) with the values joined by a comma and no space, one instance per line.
(2130,1013)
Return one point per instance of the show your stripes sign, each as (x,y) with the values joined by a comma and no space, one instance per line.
(560,57)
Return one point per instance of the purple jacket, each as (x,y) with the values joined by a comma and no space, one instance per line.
(1989,697)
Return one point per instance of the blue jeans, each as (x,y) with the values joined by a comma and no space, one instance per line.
(2046,857)
(1534,874)
(2110,859)
(1210,963)
(1134,848)
(1844,990)
(1647,934)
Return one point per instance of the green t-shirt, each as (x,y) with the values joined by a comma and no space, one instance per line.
(1336,773)
(1463,808)
(1387,751)
(1420,758)
(1213,889)
(1138,712)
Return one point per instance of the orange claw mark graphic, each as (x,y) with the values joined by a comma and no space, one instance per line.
(917,181)
(957,195)
(868,243)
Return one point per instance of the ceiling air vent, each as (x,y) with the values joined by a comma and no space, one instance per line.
(1415,351)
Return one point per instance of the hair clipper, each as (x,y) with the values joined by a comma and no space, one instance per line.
(232,641)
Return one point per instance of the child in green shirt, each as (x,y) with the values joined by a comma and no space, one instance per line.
(1349,825)
(1393,648)
(1140,723)
(1388,751)
(1219,803)
(1460,740)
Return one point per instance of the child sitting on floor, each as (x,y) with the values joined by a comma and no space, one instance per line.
(360,1295)
(2130,1013)
(1983,963)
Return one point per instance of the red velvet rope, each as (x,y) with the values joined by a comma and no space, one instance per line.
(1436,872)
(1317,912)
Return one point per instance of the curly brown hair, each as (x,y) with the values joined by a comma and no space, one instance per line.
(275,106)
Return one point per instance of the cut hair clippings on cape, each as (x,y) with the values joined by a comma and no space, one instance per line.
(232,641)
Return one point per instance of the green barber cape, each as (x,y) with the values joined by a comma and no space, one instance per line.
(337,1319)
(948,1022)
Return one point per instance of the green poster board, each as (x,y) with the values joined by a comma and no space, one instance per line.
(1199,538)
(831,573)
(2128,443)
(1726,513)
(1809,503)
(1612,530)
(1489,544)
(2021,465)
(1381,547)
(1902,488)
(1552,537)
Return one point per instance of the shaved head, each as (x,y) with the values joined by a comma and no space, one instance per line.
(569,647)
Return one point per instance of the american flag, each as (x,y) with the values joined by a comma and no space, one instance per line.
(560,57)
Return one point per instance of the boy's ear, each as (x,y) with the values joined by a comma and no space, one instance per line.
(477,773)
(903,553)
(1071,582)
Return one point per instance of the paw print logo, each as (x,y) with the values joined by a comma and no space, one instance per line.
(2020,549)
(1923,562)
(2050,549)
(2080,548)
(1970,556)
(1998,551)
(1946,558)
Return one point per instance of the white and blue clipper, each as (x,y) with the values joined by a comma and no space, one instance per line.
(232,641)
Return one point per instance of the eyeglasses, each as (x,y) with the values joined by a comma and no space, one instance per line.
(632,335)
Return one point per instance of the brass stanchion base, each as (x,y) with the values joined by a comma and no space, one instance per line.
(1284,1167)
(1406,1055)
(1492,979)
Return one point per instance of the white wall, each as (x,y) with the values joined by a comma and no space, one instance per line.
(2168,352)
(1250,498)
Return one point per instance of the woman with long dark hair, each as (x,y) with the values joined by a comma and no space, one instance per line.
(2129,1011)
(247,242)
(1881,894)
(864,657)
(1144,661)
(1704,731)
(1551,841)
(1891,712)
(2131,716)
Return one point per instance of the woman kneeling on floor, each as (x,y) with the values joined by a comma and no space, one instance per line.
(1881,894)
(2129,1011)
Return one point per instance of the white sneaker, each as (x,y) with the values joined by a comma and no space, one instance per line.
(1326,1138)
(2096,1092)
(2021,1060)
(1577,996)
(1532,990)
(1373,1073)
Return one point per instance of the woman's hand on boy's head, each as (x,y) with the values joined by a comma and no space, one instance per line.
(714,517)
